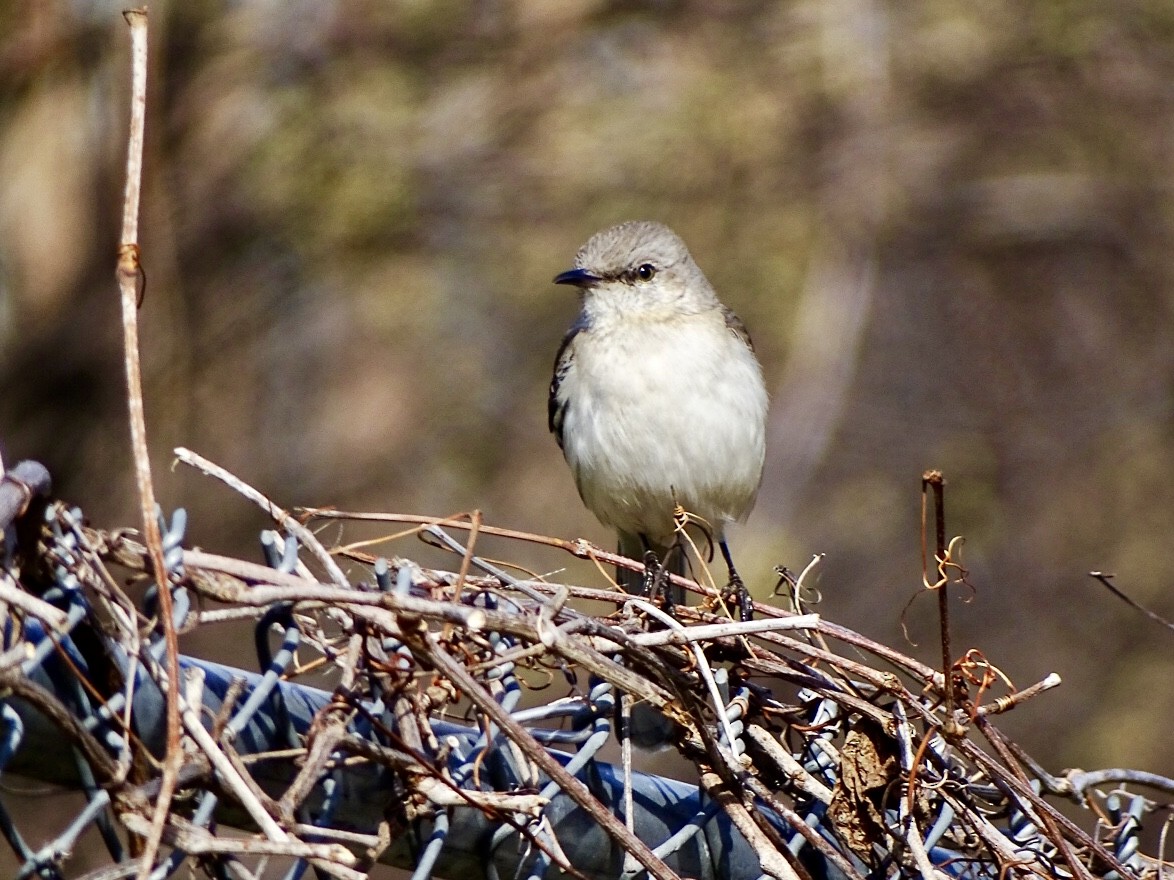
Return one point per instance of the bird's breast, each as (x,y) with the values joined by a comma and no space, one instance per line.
(664,412)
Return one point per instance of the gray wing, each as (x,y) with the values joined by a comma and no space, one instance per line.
(563,362)
(734,325)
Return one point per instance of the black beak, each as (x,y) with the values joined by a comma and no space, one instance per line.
(577,277)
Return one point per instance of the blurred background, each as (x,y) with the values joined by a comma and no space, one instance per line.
(948,225)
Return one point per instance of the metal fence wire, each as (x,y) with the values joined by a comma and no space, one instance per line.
(463,727)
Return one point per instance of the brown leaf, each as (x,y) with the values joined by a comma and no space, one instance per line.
(868,766)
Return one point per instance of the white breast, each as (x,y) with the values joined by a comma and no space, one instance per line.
(660,413)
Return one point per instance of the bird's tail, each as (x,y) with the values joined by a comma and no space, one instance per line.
(671,557)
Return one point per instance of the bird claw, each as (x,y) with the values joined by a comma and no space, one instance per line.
(656,580)
(737,595)
(735,592)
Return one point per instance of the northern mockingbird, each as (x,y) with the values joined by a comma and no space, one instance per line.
(657,398)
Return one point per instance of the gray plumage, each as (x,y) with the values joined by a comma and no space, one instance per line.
(657,398)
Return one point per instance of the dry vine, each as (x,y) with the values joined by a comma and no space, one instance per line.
(810,762)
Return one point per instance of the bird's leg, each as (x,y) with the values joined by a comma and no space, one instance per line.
(735,589)
(656,575)
(660,587)
(654,572)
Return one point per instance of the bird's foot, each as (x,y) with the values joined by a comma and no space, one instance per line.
(735,592)
(656,580)
(736,595)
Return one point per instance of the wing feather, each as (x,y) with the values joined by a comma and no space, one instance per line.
(734,325)
(564,361)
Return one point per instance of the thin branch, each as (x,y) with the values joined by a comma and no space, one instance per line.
(131,282)
(280,516)
(1107,581)
(407,644)
(772,861)
(576,790)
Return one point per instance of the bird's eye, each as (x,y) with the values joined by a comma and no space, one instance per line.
(645,271)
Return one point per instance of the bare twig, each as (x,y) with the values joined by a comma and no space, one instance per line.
(331,858)
(932,480)
(12,681)
(409,644)
(772,861)
(1107,580)
(11,593)
(575,789)
(1009,702)
(131,284)
(287,522)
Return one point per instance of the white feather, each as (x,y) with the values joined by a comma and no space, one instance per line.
(663,408)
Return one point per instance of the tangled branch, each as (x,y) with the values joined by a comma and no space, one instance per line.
(807,748)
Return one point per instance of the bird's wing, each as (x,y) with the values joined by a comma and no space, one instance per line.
(734,325)
(563,362)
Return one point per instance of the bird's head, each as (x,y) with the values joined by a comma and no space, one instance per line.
(638,269)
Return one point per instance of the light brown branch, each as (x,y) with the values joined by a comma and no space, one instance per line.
(130,282)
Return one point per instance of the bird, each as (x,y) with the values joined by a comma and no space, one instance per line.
(657,398)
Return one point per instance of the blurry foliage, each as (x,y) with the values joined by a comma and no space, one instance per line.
(354,209)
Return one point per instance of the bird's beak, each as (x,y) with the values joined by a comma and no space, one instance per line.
(577,277)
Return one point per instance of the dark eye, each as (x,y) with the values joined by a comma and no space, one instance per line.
(645,271)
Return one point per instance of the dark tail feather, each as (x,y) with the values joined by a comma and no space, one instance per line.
(634,547)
